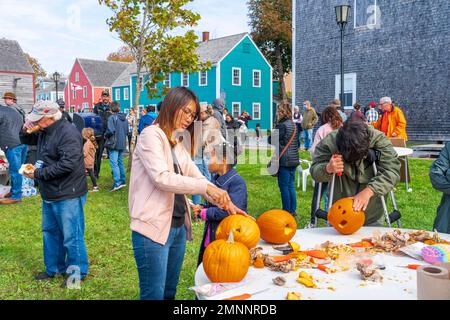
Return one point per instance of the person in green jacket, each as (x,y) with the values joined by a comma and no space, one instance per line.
(440,179)
(346,151)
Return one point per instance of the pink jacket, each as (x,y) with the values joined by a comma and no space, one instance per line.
(153,185)
(321,133)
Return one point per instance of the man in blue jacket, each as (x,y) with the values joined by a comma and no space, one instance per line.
(116,141)
(147,119)
(63,188)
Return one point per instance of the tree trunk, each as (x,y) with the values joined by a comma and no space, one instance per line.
(280,71)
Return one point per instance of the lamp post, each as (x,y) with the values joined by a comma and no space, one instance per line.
(342,12)
(56,77)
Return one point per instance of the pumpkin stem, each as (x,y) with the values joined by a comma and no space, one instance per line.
(231,237)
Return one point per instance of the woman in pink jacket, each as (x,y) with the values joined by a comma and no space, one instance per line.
(161,175)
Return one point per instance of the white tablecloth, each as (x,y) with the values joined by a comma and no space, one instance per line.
(399,283)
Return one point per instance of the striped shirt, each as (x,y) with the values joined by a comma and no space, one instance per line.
(372,115)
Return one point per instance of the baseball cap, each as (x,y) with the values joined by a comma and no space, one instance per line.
(372,104)
(385,100)
(43,109)
(105,93)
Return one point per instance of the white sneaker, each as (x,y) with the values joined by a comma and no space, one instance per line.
(309,226)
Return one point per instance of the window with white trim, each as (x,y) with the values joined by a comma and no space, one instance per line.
(257,78)
(85,107)
(77,76)
(126,94)
(256,111)
(349,89)
(236,109)
(84,92)
(74,94)
(117,94)
(167,80)
(202,78)
(185,79)
(366,13)
(236,76)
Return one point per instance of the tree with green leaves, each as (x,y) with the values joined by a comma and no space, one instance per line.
(271,25)
(147,27)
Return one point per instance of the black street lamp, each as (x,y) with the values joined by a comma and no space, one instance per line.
(56,77)
(342,12)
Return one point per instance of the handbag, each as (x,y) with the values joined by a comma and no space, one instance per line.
(274,172)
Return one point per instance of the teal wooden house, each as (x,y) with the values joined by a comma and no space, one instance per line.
(240,74)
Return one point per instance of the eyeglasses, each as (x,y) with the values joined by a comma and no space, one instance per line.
(193,115)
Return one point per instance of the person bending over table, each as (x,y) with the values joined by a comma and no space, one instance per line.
(346,151)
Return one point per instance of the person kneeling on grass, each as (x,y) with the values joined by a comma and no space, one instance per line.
(223,159)
(347,151)
(63,187)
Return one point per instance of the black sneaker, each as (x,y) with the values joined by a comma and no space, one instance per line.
(43,276)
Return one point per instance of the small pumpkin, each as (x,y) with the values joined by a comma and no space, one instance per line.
(245,230)
(226,260)
(258,263)
(343,218)
(277,226)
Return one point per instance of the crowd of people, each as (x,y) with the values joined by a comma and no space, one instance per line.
(169,163)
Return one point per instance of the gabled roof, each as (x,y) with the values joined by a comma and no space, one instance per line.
(12,57)
(215,49)
(124,78)
(102,73)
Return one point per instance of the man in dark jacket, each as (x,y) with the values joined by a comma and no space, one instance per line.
(440,179)
(63,188)
(103,109)
(62,108)
(11,123)
(116,135)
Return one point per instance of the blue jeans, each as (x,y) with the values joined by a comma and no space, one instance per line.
(159,266)
(16,157)
(308,138)
(63,232)
(202,165)
(117,167)
(286,179)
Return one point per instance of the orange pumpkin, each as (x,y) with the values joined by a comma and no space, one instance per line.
(277,226)
(245,230)
(226,260)
(343,218)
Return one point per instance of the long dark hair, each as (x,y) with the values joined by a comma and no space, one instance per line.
(176,99)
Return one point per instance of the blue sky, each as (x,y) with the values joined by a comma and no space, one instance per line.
(57,31)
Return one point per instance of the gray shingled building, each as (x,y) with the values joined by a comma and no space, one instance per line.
(16,74)
(396,48)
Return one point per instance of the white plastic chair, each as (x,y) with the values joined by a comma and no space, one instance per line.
(304,173)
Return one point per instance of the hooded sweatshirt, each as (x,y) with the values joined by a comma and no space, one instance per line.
(118,127)
(218,106)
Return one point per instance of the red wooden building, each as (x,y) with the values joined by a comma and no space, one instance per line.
(87,80)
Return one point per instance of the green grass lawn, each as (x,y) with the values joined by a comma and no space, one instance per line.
(113,273)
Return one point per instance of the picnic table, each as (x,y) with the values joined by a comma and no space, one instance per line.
(399,283)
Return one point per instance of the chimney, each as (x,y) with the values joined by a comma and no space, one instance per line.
(205,36)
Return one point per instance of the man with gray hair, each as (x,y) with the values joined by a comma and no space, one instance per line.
(63,188)
(392,122)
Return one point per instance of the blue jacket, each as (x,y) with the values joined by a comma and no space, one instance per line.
(235,185)
(118,127)
(146,121)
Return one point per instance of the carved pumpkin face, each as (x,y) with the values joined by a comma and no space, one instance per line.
(226,260)
(245,230)
(342,217)
(277,226)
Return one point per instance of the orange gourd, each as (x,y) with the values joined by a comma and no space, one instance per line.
(277,226)
(226,260)
(343,218)
(245,230)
